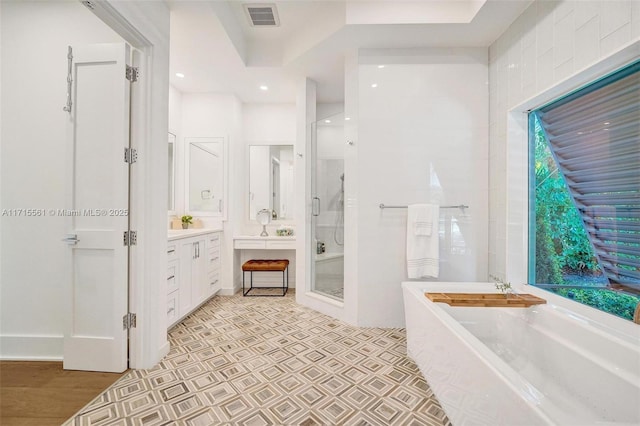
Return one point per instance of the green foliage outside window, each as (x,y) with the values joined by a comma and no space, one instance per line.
(562,245)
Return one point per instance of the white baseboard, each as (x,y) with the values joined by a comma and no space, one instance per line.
(31,348)
(164,350)
(228,291)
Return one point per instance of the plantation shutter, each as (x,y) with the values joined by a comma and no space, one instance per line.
(594,136)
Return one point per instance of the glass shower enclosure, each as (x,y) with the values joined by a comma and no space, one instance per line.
(327,207)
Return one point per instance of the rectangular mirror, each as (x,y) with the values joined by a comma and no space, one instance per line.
(271,180)
(172,168)
(205,172)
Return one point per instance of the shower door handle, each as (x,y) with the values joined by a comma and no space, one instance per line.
(315,212)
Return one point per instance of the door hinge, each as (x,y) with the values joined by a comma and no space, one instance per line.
(132,74)
(129,321)
(130,238)
(130,155)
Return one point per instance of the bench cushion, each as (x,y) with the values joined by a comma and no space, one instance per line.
(265,265)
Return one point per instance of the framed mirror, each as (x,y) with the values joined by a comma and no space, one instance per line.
(172,171)
(205,176)
(271,181)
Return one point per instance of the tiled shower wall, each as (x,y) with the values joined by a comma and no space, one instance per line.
(550,42)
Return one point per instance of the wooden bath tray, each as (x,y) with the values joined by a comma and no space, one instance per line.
(486,299)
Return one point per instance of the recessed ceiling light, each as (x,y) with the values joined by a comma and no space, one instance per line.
(606,122)
(263,87)
(347,118)
(374,85)
(327,121)
(179,75)
(380,66)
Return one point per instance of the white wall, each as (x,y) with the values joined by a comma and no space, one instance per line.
(551,49)
(35,37)
(269,124)
(420,116)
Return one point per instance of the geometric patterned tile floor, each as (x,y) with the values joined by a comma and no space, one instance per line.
(269,361)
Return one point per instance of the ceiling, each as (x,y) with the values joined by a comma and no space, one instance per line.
(218,50)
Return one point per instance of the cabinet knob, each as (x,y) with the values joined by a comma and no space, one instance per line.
(71,239)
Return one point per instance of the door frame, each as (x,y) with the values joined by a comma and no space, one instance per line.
(148,342)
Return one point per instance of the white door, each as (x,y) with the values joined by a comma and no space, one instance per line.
(98,188)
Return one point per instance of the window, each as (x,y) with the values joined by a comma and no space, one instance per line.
(585,194)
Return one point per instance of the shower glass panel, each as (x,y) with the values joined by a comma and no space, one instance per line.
(327,220)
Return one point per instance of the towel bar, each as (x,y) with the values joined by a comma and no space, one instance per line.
(459,206)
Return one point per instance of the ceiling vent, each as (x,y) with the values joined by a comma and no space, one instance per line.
(262,15)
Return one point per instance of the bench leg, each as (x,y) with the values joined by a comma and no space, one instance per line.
(285,289)
(285,283)
(244,293)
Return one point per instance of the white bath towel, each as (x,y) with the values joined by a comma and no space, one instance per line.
(421,215)
(423,249)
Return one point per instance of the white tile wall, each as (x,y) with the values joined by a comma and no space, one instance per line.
(635,18)
(614,16)
(550,42)
(587,47)
(418,117)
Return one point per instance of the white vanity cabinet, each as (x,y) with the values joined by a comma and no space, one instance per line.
(213,283)
(192,264)
(193,271)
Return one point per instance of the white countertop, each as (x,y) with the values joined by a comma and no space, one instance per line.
(175,234)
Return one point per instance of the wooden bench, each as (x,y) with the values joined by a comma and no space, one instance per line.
(269,265)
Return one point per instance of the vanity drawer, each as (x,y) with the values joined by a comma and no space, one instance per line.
(213,241)
(172,307)
(213,278)
(249,244)
(214,254)
(281,245)
(172,251)
(214,265)
(173,275)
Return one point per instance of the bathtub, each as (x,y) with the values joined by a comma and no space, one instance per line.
(330,263)
(552,364)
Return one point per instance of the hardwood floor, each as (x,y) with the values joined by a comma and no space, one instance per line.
(42,393)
